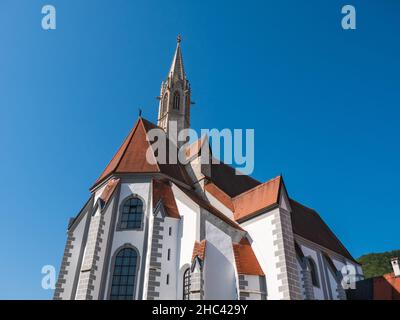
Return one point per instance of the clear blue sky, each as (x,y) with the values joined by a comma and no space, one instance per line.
(324,104)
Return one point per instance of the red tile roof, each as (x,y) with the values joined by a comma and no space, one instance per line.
(246,204)
(386,287)
(246,260)
(163,191)
(219,195)
(109,190)
(199,250)
(260,197)
(131,157)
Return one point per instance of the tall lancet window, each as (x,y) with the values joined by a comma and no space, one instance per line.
(314,272)
(132,214)
(186,284)
(164,107)
(124,275)
(177,99)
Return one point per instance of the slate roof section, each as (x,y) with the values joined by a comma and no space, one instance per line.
(246,260)
(308,224)
(225,177)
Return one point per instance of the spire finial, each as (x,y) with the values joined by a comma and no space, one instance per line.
(140,112)
(178,38)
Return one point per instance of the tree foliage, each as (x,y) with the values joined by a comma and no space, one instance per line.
(377,264)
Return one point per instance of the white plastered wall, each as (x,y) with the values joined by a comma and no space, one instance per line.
(135,238)
(169,266)
(187,234)
(260,230)
(78,234)
(219,269)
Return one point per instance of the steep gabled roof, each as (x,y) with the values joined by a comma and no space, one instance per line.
(248,203)
(131,157)
(258,198)
(173,170)
(308,224)
(246,260)
(163,191)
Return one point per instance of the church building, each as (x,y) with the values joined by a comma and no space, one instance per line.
(197,230)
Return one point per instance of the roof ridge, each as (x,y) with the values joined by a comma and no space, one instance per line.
(256,187)
(128,137)
(140,120)
(114,165)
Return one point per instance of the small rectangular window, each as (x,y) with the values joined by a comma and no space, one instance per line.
(169,254)
(167,278)
(169,231)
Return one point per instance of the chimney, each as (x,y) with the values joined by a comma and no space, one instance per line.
(395,266)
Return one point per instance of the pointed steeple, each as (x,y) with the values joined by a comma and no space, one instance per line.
(174,107)
(177,70)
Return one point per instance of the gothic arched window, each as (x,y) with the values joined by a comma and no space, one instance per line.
(177,99)
(314,272)
(186,284)
(132,214)
(124,275)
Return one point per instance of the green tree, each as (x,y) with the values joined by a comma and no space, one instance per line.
(377,264)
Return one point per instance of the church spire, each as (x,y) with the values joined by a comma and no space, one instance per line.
(177,70)
(174,107)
